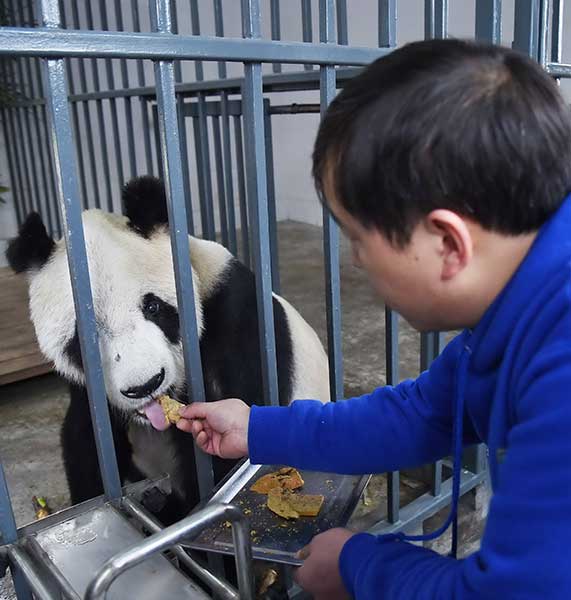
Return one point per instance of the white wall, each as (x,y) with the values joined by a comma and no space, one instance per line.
(293,135)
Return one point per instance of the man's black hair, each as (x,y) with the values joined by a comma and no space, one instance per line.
(481,130)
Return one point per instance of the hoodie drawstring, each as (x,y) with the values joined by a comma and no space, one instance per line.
(461,374)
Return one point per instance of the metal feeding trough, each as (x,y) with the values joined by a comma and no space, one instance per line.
(102,549)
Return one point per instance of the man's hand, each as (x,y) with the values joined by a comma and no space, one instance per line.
(319,575)
(219,428)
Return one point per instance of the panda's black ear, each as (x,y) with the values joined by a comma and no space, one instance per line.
(33,246)
(145,204)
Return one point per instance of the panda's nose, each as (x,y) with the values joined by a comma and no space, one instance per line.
(140,391)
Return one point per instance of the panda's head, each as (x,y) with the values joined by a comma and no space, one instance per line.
(134,298)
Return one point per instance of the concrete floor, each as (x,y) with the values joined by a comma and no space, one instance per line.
(31,411)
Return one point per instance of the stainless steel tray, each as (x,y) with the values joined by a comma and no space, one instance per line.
(274,538)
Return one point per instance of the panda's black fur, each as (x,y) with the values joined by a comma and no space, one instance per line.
(229,349)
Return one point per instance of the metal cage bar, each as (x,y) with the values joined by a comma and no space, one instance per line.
(174,186)
(489,21)
(387,13)
(68,192)
(253,107)
(330,227)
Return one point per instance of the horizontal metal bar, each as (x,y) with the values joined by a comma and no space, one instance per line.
(159,542)
(60,43)
(560,70)
(220,587)
(427,505)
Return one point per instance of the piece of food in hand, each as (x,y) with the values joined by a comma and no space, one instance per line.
(41,507)
(171,408)
(269,578)
(286,478)
(278,502)
(306,505)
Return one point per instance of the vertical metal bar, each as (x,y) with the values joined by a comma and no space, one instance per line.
(112,101)
(75,112)
(526,27)
(489,21)
(241,170)
(557,30)
(544,50)
(205,175)
(199,176)
(87,120)
(157,132)
(342,28)
(11,168)
(306,26)
(174,184)
(330,229)
(143,102)
(219,31)
(253,103)
(220,179)
(174,16)
(184,159)
(100,124)
(127,100)
(392,377)
(276,28)
(9,535)
(68,193)
(387,23)
(228,181)
(195,30)
(272,212)
(435,19)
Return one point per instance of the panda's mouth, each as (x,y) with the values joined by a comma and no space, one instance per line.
(152,412)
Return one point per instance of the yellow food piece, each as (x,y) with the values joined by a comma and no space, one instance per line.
(278,503)
(307,505)
(286,478)
(170,407)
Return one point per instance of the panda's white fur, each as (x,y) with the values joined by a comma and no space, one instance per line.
(130,258)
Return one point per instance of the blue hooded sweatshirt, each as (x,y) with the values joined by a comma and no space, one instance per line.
(510,377)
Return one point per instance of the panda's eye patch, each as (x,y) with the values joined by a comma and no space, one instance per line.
(163,315)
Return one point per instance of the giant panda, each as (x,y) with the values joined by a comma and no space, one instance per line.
(133,286)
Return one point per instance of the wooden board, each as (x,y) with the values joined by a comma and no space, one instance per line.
(20,357)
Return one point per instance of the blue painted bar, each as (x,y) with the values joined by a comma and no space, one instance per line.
(544,50)
(127,101)
(241,169)
(435,19)
(489,21)
(174,17)
(205,172)
(306,26)
(253,105)
(392,378)
(221,192)
(526,27)
(228,180)
(330,228)
(272,212)
(195,29)
(9,535)
(276,28)
(387,23)
(556,30)
(113,103)
(174,184)
(68,192)
(185,165)
(200,177)
(158,150)
(118,44)
(219,30)
(342,26)
(100,123)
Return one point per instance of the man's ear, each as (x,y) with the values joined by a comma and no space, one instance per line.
(456,244)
